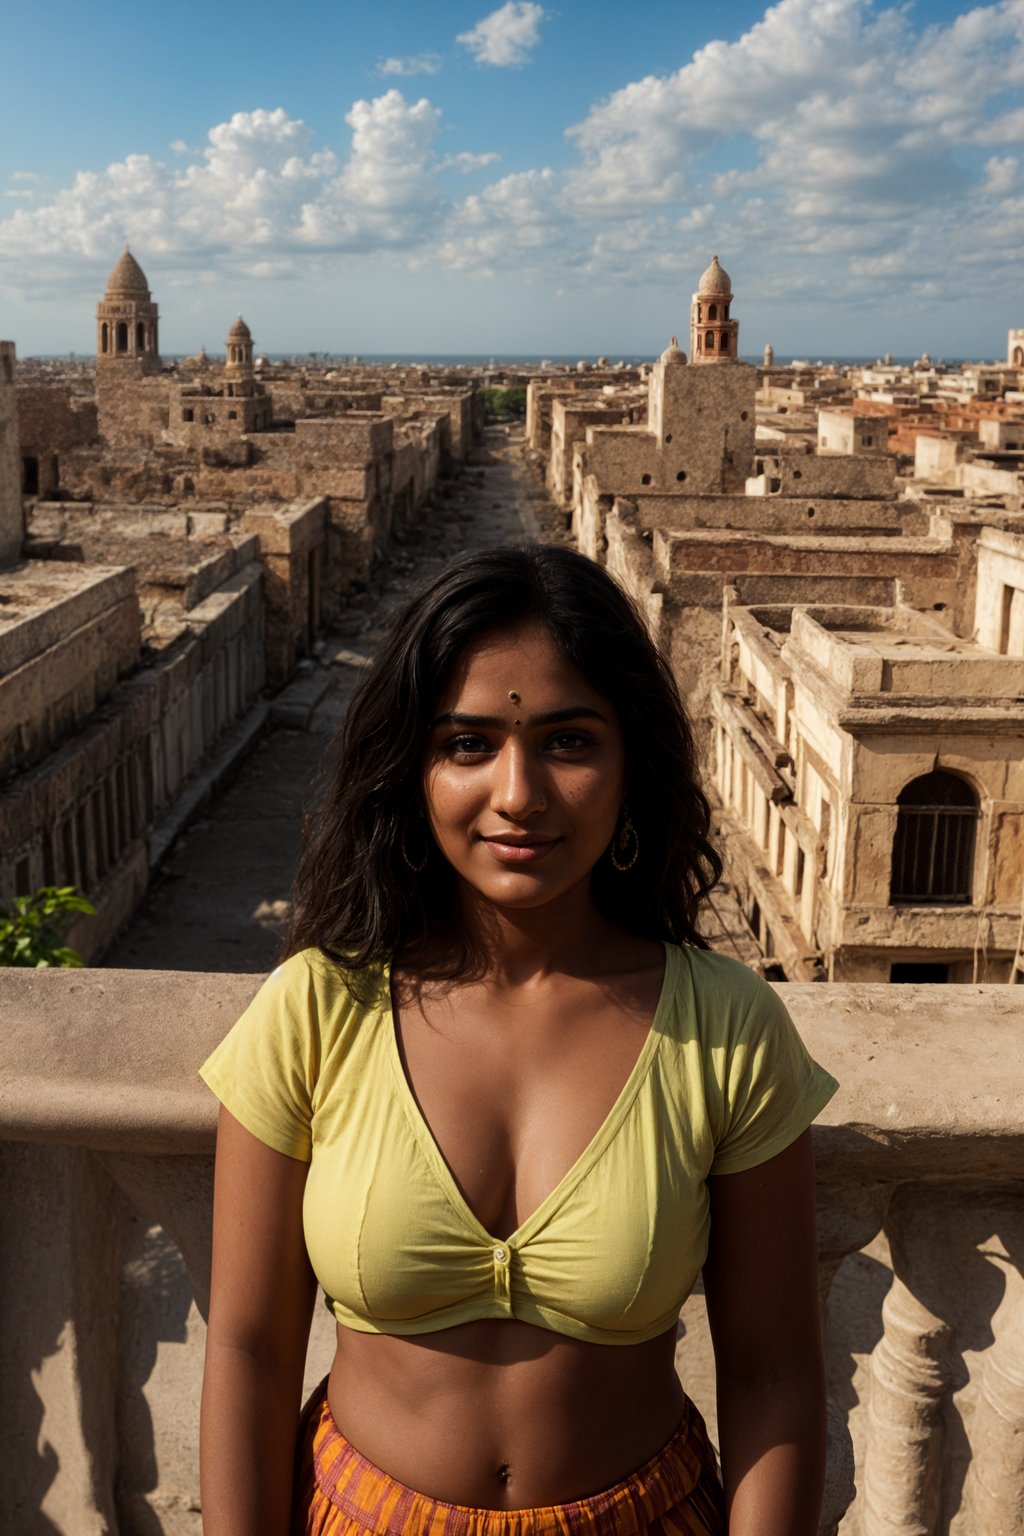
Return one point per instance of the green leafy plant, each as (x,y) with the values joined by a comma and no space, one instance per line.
(502,402)
(30,933)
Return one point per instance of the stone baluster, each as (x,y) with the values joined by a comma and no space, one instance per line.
(994,1494)
(910,1377)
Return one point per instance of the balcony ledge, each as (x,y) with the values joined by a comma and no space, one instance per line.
(107,1059)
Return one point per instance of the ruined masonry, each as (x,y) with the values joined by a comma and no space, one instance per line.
(848,632)
(190,531)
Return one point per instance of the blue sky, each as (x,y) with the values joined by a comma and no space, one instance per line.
(528,177)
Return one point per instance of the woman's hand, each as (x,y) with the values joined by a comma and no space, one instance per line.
(760,1280)
(261,1303)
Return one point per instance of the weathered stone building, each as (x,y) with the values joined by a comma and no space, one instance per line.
(189,534)
(827,572)
(99,739)
(240,437)
(871,771)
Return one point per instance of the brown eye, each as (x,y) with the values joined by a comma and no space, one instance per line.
(569,741)
(467,746)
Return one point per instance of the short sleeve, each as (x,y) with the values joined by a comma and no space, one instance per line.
(264,1071)
(771,1087)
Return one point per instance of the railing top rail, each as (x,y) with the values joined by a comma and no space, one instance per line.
(931,1075)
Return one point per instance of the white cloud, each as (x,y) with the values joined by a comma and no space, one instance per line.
(832,151)
(1007,128)
(848,137)
(513,220)
(256,199)
(32,176)
(411,64)
(506,37)
(1000,175)
(466,162)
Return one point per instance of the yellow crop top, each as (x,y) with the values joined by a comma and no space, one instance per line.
(723,1082)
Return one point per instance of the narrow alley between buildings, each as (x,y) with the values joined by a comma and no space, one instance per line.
(219,900)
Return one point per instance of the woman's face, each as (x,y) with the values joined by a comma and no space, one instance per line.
(524,770)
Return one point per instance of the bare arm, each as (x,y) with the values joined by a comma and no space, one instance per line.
(261,1303)
(760,1279)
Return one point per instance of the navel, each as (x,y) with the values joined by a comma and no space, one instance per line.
(504,1474)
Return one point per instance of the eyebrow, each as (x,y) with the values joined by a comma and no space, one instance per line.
(495,722)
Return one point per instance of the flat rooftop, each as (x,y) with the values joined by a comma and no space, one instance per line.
(875,651)
(903,651)
(44,601)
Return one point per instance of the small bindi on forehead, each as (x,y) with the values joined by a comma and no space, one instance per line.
(511,675)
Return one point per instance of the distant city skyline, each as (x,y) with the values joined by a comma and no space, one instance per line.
(528,178)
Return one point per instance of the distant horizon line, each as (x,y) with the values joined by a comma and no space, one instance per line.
(535,359)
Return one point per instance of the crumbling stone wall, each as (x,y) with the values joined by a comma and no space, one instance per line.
(569,423)
(85,814)
(66,636)
(53,420)
(291,551)
(133,407)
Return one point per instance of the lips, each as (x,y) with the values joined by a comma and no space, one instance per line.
(509,849)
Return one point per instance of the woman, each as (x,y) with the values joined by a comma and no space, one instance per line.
(503,1104)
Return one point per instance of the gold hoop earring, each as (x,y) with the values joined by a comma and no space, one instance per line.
(619,852)
(417,869)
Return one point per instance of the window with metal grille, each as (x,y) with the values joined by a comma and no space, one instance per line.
(933,851)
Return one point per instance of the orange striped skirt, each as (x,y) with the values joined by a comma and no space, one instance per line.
(339,1493)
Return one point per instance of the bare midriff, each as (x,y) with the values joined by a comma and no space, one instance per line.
(502,1414)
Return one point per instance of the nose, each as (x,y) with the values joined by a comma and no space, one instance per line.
(518,789)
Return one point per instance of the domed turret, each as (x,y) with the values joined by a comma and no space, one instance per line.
(126,318)
(715,280)
(673,353)
(238,351)
(714,338)
(127,278)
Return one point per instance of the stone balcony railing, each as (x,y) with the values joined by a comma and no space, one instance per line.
(106,1197)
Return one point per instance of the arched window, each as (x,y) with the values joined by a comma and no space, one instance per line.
(122,336)
(712,311)
(104,337)
(725,342)
(933,851)
(140,337)
(709,342)
(1018,357)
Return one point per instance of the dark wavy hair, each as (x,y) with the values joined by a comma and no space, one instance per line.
(355,897)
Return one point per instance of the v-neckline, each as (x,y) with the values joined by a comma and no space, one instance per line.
(577,1170)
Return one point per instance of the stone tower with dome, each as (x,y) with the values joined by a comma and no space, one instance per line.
(699,436)
(714,335)
(127,320)
(213,414)
(238,349)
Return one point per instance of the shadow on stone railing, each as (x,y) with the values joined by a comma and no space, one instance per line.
(106,1198)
